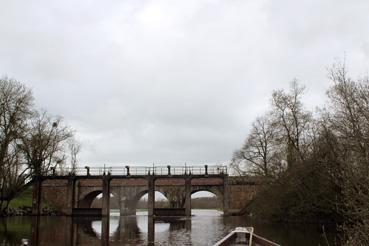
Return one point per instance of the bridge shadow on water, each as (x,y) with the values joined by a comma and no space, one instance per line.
(103,231)
(204,228)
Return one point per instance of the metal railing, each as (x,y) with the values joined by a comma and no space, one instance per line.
(141,170)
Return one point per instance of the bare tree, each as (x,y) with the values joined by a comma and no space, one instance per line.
(293,121)
(44,144)
(74,148)
(16,103)
(259,154)
(348,113)
(30,142)
(347,116)
(333,182)
(283,136)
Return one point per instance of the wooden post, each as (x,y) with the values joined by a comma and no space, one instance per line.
(188,196)
(151,195)
(106,196)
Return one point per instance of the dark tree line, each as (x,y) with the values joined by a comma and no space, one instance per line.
(315,165)
(31,141)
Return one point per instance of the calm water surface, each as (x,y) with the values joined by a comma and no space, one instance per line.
(204,228)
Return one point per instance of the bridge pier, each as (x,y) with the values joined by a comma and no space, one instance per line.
(125,196)
(106,196)
(151,195)
(225,196)
(70,196)
(105,222)
(123,208)
(36,196)
(188,196)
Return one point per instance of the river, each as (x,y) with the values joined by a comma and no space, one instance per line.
(204,228)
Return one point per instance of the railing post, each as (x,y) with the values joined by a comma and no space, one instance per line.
(206,169)
(88,170)
(222,170)
(127,169)
(168,170)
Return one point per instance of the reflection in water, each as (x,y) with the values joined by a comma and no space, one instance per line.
(97,226)
(204,228)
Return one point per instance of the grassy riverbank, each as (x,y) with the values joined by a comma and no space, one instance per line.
(23,200)
(22,205)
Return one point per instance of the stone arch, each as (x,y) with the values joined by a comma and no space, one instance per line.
(86,198)
(214,190)
(139,195)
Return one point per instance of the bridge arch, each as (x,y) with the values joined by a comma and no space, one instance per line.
(86,199)
(217,194)
(142,193)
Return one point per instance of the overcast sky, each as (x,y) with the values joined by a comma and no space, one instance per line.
(174,81)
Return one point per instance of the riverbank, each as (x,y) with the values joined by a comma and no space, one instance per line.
(22,206)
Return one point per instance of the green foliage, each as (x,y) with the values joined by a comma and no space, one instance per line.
(24,199)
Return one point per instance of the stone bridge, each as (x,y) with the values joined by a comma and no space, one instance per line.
(73,193)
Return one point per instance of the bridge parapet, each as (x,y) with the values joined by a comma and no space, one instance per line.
(126,170)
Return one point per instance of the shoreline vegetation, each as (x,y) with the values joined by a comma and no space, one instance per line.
(314,164)
(21,205)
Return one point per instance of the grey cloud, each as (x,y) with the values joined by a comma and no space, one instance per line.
(173,81)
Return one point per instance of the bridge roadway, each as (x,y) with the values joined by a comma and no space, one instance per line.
(72,192)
